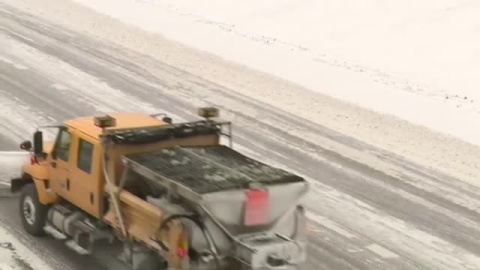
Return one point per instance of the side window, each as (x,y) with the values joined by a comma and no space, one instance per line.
(63,145)
(85,156)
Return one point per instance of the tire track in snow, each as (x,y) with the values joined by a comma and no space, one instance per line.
(409,241)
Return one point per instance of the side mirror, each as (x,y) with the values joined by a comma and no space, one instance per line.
(38,143)
(167,120)
(26,145)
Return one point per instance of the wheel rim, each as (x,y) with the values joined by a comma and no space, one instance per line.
(29,210)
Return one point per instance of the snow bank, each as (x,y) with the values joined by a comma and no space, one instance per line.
(416,60)
(11,165)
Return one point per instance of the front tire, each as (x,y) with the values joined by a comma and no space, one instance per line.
(32,212)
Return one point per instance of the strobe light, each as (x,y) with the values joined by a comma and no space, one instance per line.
(208,112)
(105,121)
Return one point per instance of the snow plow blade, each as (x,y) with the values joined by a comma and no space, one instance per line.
(11,165)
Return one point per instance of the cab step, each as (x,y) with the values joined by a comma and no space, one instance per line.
(76,247)
(49,229)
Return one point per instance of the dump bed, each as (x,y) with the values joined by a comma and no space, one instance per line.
(194,171)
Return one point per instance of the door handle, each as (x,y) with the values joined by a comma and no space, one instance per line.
(68,184)
(53,164)
(91,197)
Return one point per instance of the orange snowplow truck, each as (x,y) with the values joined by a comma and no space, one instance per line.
(170,193)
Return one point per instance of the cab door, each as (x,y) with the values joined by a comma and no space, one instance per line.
(60,163)
(85,174)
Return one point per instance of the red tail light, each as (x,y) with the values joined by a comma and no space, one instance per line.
(257,208)
(182,253)
(33,159)
(182,250)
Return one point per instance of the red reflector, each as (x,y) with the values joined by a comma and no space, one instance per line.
(182,253)
(257,208)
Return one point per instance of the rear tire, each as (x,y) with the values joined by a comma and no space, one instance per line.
(32,212)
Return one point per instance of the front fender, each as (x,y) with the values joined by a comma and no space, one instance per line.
(40,176)
(37,170)
(17,168)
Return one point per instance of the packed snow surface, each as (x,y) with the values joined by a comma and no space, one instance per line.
(416,60)
(15,255)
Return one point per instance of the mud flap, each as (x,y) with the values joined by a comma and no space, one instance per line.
(16,184)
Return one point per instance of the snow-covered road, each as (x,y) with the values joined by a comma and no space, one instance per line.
(416,60)
(17,255)
(368,209)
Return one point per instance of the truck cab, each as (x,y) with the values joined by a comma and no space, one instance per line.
(69,168)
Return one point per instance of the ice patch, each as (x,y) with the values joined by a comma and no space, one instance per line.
(5,60)
(59,86)
(17,34)
(385,253)
(20,67)
(14,64)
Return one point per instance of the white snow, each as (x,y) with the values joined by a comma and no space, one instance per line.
(382,251)
(416,60)
(15,255)
(11,164)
